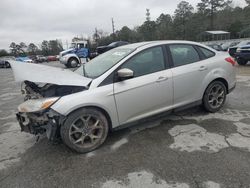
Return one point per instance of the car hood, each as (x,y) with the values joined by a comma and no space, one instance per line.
(245,46)
(67,51)
(46,74)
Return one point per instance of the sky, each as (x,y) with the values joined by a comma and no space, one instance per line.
(36,20)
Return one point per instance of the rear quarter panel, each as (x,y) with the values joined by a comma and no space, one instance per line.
(219,68)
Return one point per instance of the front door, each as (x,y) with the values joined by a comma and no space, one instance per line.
(149,92)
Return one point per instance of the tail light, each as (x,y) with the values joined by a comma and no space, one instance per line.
(231,61)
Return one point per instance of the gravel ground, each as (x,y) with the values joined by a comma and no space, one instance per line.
(188,149)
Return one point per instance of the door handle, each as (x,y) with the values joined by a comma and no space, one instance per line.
(202,68)
(161,79)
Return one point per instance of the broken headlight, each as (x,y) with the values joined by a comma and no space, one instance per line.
(35,105)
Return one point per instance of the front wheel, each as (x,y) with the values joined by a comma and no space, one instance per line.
(85,130)
(214,96)
(72,63)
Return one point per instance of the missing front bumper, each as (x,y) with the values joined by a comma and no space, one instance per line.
(48,123)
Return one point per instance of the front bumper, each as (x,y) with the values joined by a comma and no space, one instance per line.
(63,60)
(48,122)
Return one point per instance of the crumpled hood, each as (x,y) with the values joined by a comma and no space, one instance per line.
(46,74)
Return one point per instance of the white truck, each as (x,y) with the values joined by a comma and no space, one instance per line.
(77,54)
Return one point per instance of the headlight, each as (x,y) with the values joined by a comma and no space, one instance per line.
(238,50)
(35,105)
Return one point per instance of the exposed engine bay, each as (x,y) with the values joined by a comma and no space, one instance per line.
(42,86)
(32,90)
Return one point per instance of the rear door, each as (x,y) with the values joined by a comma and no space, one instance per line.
(189,71)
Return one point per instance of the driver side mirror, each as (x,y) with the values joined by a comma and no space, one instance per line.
(125,73)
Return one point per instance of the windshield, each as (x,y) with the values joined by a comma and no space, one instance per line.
(99,65)
(73,45)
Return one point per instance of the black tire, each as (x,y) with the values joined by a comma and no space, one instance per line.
(241,61)
(7,65)
(72,63)
(75,128)
(209,102)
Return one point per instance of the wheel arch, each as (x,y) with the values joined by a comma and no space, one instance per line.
(223,80)
(105,113)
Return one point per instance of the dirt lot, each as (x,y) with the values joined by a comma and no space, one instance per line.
(188,149)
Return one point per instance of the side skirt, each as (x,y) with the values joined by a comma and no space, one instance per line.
(158,116)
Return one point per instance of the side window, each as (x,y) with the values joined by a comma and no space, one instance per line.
(80,46)
(146,62)
(207,53)
(183,54)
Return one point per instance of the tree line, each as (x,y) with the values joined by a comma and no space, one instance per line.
(187,23)
(51,47)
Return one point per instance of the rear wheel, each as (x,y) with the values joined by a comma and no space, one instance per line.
(241,61)
(85,130)
(214,96)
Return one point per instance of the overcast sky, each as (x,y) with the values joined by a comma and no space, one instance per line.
(36,20)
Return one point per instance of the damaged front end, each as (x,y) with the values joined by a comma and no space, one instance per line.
(38,123)
(35,115)
(42,86)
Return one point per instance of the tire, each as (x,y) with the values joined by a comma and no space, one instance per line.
(7,65)
(241,61)
(79,135)
(215,96)
(72,63)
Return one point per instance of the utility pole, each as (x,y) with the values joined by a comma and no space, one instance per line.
(67,44)
(148,14)
(96,35)
(113,26)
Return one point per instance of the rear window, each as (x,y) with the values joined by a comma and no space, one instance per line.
(206,52)
(183,54)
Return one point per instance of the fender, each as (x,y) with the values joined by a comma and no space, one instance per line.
(68,56)
(213,75)
(99,99)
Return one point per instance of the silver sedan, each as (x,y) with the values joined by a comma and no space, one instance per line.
(120,87)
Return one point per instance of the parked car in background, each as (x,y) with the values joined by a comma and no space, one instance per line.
(242,54)
(51,58)
(121,87)
(4,64)
(102,49)
(232,50)
(41,59)
(217,47)
(227,45)
(24,59)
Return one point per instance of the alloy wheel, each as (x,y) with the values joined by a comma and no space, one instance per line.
(216,96)
(86,131)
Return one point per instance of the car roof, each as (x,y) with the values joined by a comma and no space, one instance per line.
(160,42)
